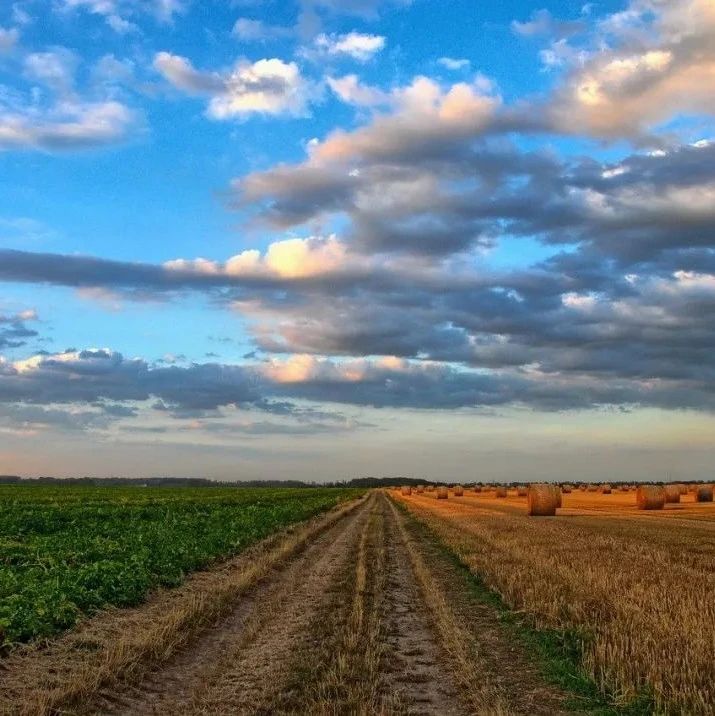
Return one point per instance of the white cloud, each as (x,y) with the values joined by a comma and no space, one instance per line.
(166,9)
(288,259)
(69,125)
(54,69)
(423,113)
(653,61)
(250,30)
(117,12)
(268,86)
(8,39)
(356,45)
(367,9)
(120,25)
(111,70)
(450,63)
(350,90)
(20,16)
(54,115)
(542,22)
(181,73)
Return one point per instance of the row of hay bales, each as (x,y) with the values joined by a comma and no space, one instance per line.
(655,497)
(544,499)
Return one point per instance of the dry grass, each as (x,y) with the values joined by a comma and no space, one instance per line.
(641,584)
(345,672)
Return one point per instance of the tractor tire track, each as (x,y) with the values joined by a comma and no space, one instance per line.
(237,666)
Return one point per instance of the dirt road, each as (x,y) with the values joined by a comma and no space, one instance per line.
(354,613)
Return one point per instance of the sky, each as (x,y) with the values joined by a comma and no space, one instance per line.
(323,239)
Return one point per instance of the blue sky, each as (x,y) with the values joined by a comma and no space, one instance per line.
(292,237)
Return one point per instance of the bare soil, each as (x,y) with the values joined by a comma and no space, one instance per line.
(356,612)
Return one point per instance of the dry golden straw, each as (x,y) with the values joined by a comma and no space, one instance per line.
(704,493)
(442,493)
(500,491)
(541,500)
(406,490)
(650,497)
(557,494)
(672,493)
(458,490)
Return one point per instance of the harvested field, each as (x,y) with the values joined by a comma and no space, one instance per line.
(637,586)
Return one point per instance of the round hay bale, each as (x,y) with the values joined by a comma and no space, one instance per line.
(557,494)
(606,489)
(458,490)
(704,493)
(442,493)
(430,488)
(522,491)
(541,500)
(500,491)
(566,489)
(419,489)
(650,497)
(406,490)
(672,493)
(477,488)
(582,488)
(592,488)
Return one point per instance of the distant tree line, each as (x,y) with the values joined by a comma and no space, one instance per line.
(364,482)
(205,482)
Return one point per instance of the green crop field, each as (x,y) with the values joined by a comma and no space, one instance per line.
(66,551)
